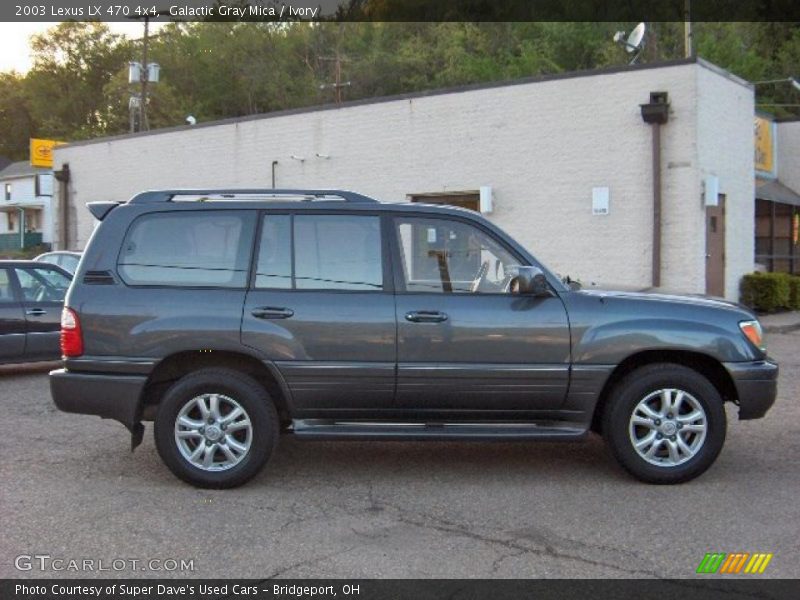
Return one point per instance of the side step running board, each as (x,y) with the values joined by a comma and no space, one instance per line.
(505,431)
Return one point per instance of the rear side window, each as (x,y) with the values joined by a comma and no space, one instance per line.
(337,252)
(197,248)
(328,252)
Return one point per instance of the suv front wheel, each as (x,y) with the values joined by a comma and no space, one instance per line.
(215,428)
(665,423)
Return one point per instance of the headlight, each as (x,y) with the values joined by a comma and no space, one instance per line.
(752,331)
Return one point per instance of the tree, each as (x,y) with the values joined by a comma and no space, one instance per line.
(72,64)
(78,88)
(16,123)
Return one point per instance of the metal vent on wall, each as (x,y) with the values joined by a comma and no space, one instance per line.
(98,278)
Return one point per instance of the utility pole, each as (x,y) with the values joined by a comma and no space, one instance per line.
(138,106)
(338,84)
(337,60)
(688,50)
(143,124)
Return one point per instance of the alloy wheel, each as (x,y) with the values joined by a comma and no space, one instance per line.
(213,432)
(668,427)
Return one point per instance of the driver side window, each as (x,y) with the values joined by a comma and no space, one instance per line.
(444,256)
(42,285)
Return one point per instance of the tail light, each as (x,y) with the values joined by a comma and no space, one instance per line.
(71,335)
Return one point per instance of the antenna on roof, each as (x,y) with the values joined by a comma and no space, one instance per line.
(634,43)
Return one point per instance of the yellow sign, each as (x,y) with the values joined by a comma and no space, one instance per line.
(765,146)
(42,152)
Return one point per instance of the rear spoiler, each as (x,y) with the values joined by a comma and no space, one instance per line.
(99,210)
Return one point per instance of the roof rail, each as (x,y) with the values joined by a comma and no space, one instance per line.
(155,196)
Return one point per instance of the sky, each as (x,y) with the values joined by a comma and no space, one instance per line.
(14,49)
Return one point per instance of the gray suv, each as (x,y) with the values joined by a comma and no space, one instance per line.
(230,316)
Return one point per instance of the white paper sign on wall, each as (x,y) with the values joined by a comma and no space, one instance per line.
(711,190)
(600,200)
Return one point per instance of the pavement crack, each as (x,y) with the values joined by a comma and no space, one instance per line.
(513,545)
(306,563)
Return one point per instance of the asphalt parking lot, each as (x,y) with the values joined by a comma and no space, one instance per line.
(71,489)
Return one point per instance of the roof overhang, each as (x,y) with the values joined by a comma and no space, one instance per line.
(6,208)
(775,191)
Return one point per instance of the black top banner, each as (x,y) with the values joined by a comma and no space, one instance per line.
(402,10)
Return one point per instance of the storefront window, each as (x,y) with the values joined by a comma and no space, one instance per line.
(776,242)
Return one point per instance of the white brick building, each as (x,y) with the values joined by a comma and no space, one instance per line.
(542,145)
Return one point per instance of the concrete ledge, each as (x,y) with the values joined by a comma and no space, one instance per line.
(781,322)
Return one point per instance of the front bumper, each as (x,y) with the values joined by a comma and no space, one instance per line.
(115,397)
(756,386)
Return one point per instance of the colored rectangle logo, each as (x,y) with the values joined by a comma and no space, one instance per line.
(735,563)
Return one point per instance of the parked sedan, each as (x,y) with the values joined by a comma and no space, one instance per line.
(31,297)
(66,260)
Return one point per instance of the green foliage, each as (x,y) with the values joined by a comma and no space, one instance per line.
(794,292)
(26,254)
(78,86)
(16,122)
(72,64)
(769,292)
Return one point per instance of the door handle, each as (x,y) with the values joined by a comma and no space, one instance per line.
(272,312)
(36,312)
(426,316)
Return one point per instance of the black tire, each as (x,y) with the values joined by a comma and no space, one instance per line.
(249,394)
(636,386)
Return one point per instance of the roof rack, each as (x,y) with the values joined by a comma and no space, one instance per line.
(211,195)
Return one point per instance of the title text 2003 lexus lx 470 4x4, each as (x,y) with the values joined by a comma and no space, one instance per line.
(229,316)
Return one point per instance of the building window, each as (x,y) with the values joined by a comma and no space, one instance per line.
(12,222)
(470,200)
(777,247)
(32,220)
(8,192)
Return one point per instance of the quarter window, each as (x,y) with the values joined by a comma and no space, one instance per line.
(201,249)
(443,256)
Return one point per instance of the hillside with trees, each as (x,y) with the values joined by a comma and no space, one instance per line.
(78,88)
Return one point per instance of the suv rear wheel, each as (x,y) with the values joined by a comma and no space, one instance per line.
(665,423)
(216,428)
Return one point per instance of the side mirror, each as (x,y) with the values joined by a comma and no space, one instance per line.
(532,282)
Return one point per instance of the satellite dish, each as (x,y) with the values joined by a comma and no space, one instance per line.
(635,38)
(634,43)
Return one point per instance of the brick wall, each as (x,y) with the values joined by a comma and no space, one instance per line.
(542,146)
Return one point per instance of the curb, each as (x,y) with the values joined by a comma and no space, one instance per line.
(781,328)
